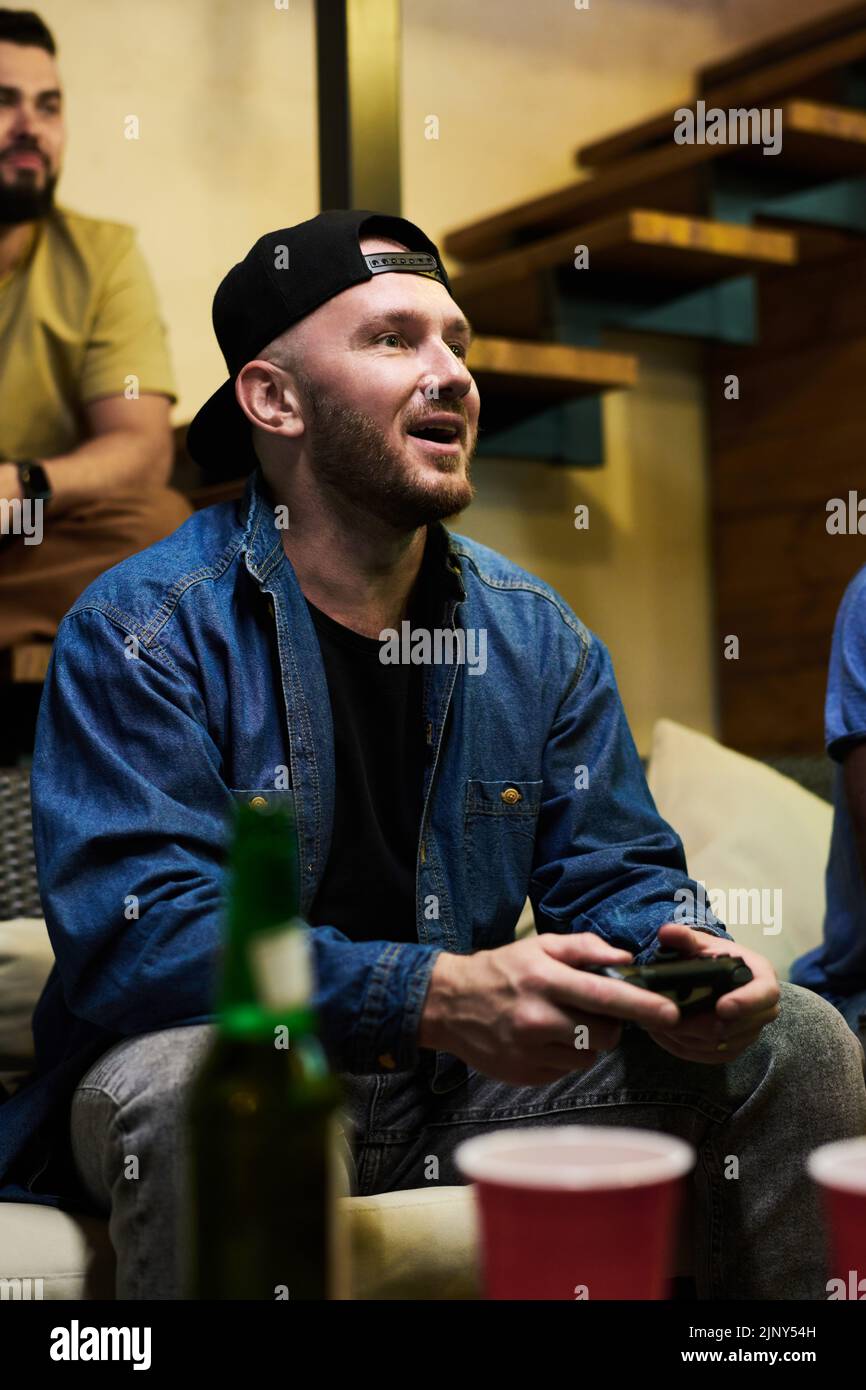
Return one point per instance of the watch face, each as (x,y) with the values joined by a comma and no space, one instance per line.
(36,484)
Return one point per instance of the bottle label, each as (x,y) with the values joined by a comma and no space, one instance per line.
(281,962)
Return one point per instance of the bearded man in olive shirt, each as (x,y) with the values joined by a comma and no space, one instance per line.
(85,378)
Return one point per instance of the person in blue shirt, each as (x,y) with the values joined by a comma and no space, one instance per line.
(836,968)
(251,655)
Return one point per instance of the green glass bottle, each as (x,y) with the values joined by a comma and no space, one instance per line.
(262,1221)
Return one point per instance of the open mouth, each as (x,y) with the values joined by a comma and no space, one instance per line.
(438,438)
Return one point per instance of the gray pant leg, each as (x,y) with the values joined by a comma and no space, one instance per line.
(131,1150)
(804,1085)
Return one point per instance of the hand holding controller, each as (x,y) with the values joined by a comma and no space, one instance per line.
(693,983)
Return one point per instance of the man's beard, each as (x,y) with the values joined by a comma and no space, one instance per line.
(24,202)
(354,461)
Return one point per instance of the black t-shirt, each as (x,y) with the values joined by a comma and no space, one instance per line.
(380,751)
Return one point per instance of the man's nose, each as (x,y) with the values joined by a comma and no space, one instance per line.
(450,372)
(25,123)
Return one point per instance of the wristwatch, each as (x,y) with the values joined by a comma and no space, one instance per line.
(34,480)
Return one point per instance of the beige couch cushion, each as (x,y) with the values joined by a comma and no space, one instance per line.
(70,1255)
(415,1244)
(744,828)
(419,1244)
(26,959)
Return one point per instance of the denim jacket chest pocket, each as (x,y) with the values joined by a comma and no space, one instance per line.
(499,825)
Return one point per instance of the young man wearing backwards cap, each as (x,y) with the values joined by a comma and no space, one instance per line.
(431,798)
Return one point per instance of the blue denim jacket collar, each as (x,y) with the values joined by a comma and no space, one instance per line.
(262,541)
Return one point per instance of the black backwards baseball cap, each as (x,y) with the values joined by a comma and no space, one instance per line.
(284,277)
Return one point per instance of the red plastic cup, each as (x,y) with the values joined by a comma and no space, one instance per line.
(576,1211)
(840,1171)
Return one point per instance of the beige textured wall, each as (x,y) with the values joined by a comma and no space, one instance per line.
(225,92)
(639,575)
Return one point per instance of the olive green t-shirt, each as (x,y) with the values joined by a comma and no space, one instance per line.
(79,319)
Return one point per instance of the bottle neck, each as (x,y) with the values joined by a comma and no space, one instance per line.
(257,1023)
(264,958)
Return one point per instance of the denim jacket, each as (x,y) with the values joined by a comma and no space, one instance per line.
(190,674)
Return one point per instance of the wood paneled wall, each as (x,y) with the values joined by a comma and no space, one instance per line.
(795,439)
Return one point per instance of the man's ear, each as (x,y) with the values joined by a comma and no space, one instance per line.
(268,398)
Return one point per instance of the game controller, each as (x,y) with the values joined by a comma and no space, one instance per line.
(693,983)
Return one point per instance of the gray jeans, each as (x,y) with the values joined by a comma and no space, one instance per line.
(757,1222)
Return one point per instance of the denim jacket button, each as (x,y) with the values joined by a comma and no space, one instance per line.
(511,795)
(257,802)
(386,1060)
